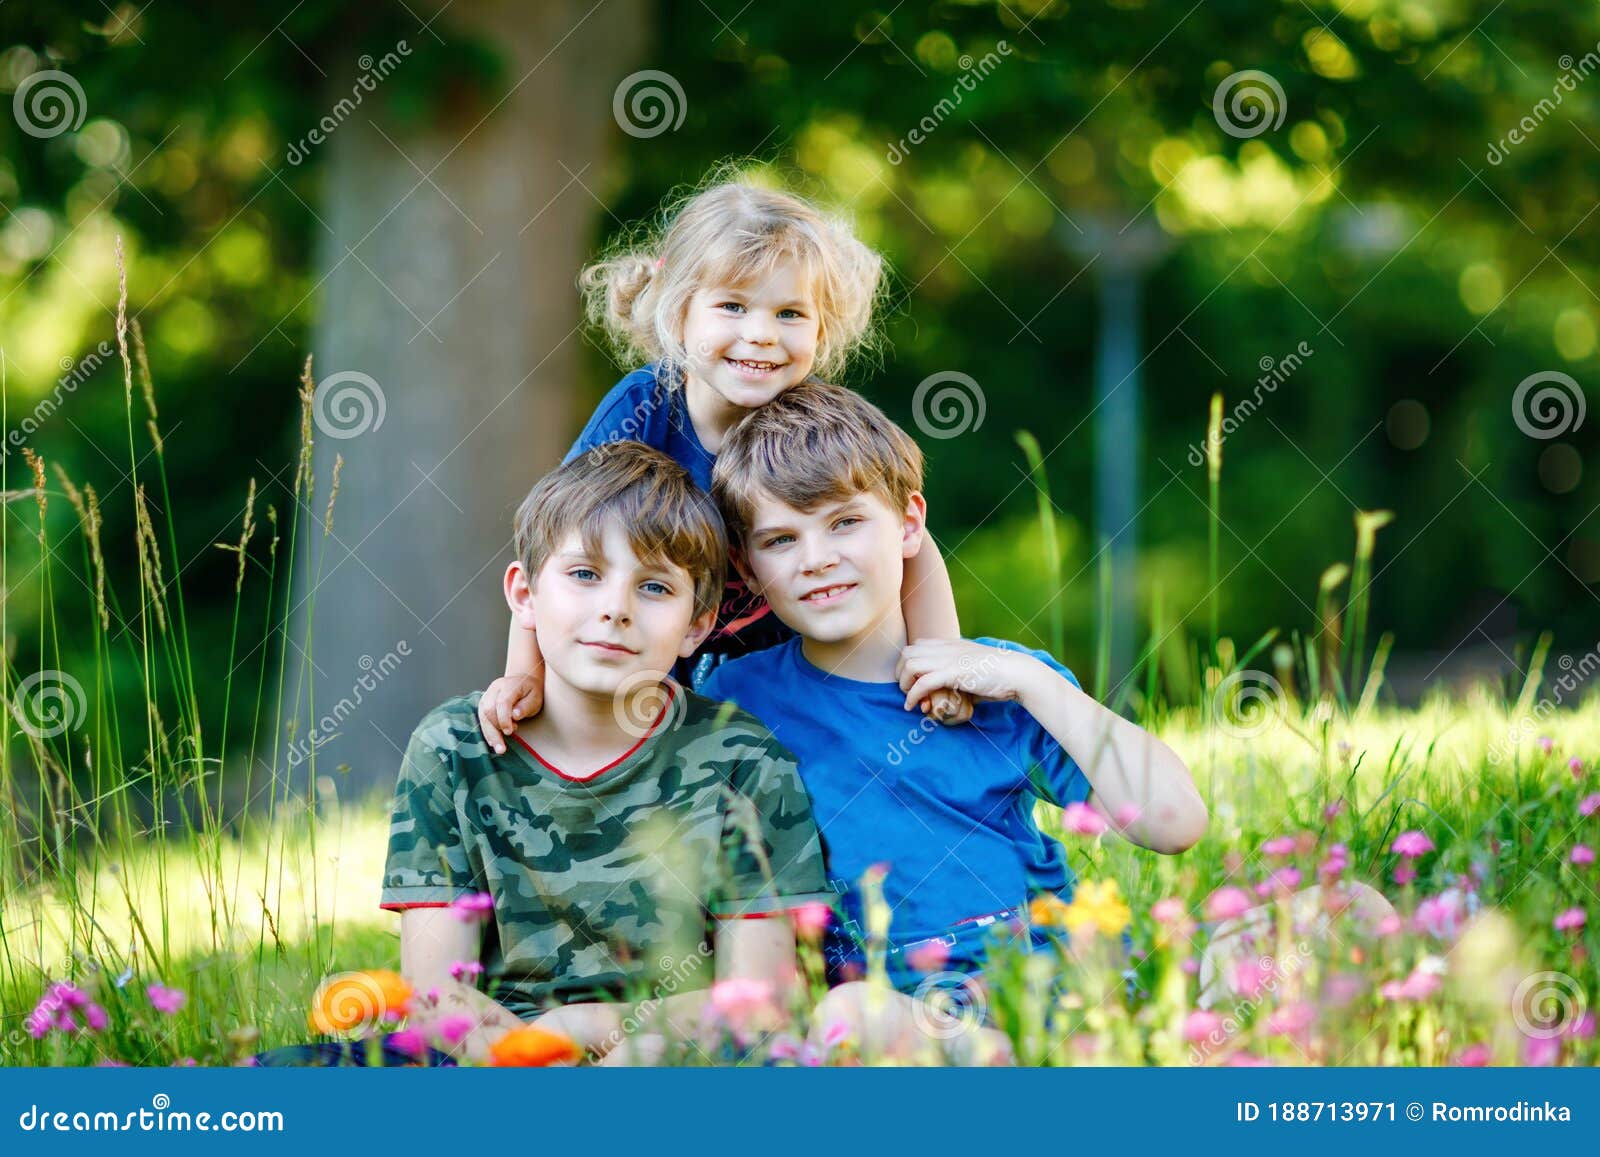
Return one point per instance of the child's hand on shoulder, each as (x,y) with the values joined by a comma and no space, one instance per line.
(508,699)
(957,665)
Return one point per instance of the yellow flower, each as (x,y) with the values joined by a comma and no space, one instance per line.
(1098,904)
(1048,911)
(359,1000)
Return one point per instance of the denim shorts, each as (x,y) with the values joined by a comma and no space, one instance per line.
(378,1053)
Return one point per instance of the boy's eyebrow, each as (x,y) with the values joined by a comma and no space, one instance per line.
(837,508)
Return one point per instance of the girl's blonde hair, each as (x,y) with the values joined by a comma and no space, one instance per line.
(733,233)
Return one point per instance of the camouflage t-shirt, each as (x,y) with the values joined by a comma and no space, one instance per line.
(607,884)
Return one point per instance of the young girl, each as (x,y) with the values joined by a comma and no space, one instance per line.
(746,292)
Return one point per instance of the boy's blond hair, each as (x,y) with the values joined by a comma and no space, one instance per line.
(733,233)
(666,517)
(813,443)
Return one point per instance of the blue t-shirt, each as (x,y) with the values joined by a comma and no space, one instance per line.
(948,809)
(648,406)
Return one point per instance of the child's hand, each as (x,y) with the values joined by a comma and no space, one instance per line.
(958,665)
(949,707)
(508,699)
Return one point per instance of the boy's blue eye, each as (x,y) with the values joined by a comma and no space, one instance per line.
(656,588)
(777,540)
(848,520)
(583,573)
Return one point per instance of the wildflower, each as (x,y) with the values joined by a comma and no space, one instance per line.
(784,1048)
(1341,988)
(111,1063)
(739,999)
(185,1063)
(531,1047)
(1441,915)
(1582,854)
(1582,1027)
(1047,910)
(836,1034)
(1168,911)
(1404,874)
(1474,1056)
(1225,903)
(452,1028)
(1200,1024)
(811,920)
(1247,1061)
(1546,744)
(1330,812)
(1190,966)
(464,968)
(409,1041)
(1334,864)
(1292,1019)
(1411,845)
(1082,819)
(929,957)
(1575,765)
(1541,1051)
(1098,904)
(1280,880)
(356,999)
(1571,920)
(94,1018)
(1422,983)
(1278,846)
(474,907)
(1248,977)
(167,1000)
(1589,804)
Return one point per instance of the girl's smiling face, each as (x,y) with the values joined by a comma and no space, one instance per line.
(747,343)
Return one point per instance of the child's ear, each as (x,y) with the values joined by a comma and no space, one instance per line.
(519,596)
(698,630)
(914,525)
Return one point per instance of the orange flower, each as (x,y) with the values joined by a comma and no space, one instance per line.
(533,1047)
(358,1000)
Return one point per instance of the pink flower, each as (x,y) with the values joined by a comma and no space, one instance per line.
(1404,873)
(1249,977)
(409,1041)
(1571,920)
(1082,819)
(1278,846)
(929,957)
(1546,744)
(811,919)
(1190,966)
(739,999)
(1474,1056)
(464,968)
(1421,984)
(1226,903)
(836,1034)
(1292,1019)
(1575,765)
(1389,925)
(1411,845)
(784,1048)
(1441,915)
(167,1000)
(1582,854)
(474,907)
(1281,880)
(1541,1051)
(1343,987)
(94,1018)
(1168,911)
(452,1029)
(1583,1027)
(1247,1061)
(111,1063)
(185,1063)
(1589,804)
(1332,810)
(1200,1024)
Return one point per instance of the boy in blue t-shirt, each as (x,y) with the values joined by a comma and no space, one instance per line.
(822,496)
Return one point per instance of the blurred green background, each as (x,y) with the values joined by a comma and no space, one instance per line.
(1382,220)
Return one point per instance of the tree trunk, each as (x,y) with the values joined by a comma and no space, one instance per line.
(446,350)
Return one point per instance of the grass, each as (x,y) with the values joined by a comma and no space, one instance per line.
(245,911)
